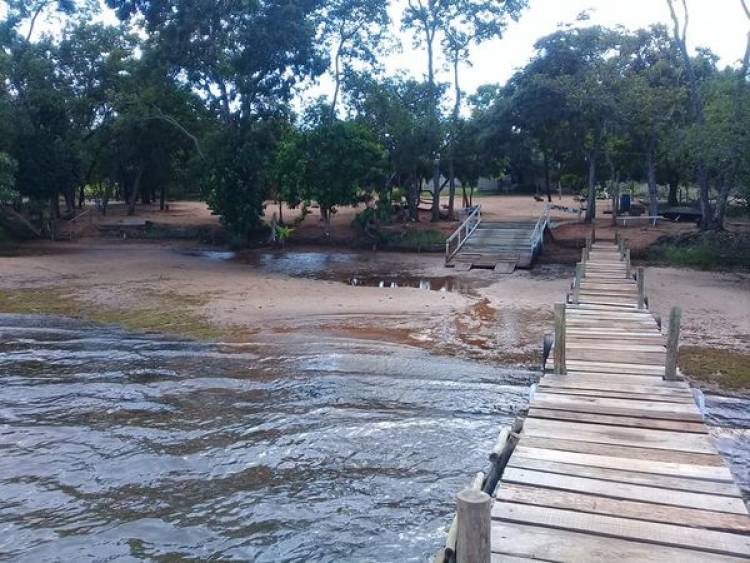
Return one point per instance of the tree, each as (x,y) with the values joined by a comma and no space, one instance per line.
(398,112)
(462,22)
(343,158)
(244,57)
(697,115)
(355,30)
(653,97)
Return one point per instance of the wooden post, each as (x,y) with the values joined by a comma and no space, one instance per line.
(585,254)
(473,513)
(641,288)
(673,343)
(593,234)
(627,262)
(559,356)
(577,282)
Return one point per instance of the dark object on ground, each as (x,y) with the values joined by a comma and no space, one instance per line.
(624,203)
(682,214)
(636,210)
(538,198)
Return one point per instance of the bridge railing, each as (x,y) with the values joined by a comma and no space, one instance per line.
(454,242)
(537,236)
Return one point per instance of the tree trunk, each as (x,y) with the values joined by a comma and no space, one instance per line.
(697,110)
(672,198)
(337,79)
(163,197)
(134,190)
(547,185)
(412,198)
(81,196)
(451,190)
(591,199)
(653,194)
(721,204)
(436,192)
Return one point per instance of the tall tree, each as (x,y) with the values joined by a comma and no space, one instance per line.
(355,30)
(680,36)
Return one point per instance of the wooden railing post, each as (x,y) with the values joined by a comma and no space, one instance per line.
(641,288)
(559,356)
(593,234)
(474,521)
(627,262)
(577,283)
(673,343)
(585,254)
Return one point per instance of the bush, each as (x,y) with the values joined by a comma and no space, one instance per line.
(708,251)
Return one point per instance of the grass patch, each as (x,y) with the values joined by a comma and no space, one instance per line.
(728,369)
(160,312)
(706,251)
(414,240)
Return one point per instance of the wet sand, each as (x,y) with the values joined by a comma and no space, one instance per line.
(478,313)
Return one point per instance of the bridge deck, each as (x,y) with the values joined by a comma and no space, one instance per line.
(614,463)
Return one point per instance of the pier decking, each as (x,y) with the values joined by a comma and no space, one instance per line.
(614,462)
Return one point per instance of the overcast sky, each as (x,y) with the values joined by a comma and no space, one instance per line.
(718,24)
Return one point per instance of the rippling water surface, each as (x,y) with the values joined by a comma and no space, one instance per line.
(119,446)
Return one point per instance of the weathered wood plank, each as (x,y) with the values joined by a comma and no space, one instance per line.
(627,476)
(637,510)
(548,544)
(608,459)
(627,421)
(658,409)
(624,491)
(724,543)
(642,395)
(619,436)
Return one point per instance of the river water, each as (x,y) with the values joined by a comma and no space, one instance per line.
(120,446)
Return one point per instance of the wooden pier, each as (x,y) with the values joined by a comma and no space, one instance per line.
(614,462)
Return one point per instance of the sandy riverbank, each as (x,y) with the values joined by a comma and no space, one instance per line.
(481,314)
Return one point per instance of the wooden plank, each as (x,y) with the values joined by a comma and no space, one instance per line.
(619,436)
(592,354)
(627,476)
(547,544)
(724,543)
(611,384)
(627,421)
(692,517)
(643,395)
(657,409)
(616,460)
(573,377)
(615,367)
(624,491)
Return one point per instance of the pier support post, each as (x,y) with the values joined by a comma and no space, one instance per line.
(559,356)
(641,288)
(474,520)
(627,262)
(580,269)
(673,343)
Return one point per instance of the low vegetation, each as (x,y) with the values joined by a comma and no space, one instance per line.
(725,368)
(705,250)
(159,312)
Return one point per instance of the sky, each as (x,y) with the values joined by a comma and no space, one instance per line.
(718,24)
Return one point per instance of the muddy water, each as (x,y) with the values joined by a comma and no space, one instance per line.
(288,448)
(122,446)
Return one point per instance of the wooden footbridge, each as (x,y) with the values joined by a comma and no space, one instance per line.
(613,461)
(501,245)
